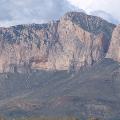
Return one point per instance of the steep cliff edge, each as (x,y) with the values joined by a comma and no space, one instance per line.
(76,40)
(114,49)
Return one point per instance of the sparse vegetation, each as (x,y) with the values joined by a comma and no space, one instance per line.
(55,118)
(49,118)
(93,118)
(2,118)
(92,91)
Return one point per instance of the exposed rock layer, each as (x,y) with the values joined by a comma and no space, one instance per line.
(76,40)
(114,49)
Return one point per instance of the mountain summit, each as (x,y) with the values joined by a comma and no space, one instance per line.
(76,40)
(40,56)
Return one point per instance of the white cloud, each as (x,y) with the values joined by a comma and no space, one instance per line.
(109,6)
(83,4)
(105,16)
(29,11)
(14,12)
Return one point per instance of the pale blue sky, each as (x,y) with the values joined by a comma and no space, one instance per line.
(110,6)
(14,12)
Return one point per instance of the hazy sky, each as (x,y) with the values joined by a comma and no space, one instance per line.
(31,11)
(36,11)
(110,6)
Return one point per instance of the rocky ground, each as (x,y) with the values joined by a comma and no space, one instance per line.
(90,92)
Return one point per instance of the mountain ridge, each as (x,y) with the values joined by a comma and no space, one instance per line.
(69,67)
(74,41)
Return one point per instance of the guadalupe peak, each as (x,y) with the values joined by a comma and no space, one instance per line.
(76,40)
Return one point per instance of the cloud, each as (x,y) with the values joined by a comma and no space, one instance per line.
(105,16)
(14,12)
(29,11)
(83,4)
(108,6)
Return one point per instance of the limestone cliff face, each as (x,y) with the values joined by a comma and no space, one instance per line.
(76,40)
(114,49)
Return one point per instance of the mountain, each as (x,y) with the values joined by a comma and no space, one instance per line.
(114,49)
(93,92)
(69,67)
(76,40)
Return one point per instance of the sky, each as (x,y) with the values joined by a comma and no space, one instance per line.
(109,6)
(13,12)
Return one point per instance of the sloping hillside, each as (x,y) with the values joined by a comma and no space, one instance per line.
(93,91)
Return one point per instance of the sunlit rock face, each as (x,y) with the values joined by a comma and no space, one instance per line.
(76,40)
(114,49)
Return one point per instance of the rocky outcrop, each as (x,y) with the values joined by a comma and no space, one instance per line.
(114,49)
(76,40)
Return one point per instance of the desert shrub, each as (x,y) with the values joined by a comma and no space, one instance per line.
(93,118)
(2,118)
(50,118)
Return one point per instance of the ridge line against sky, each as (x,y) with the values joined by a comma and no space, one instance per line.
(14,12)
